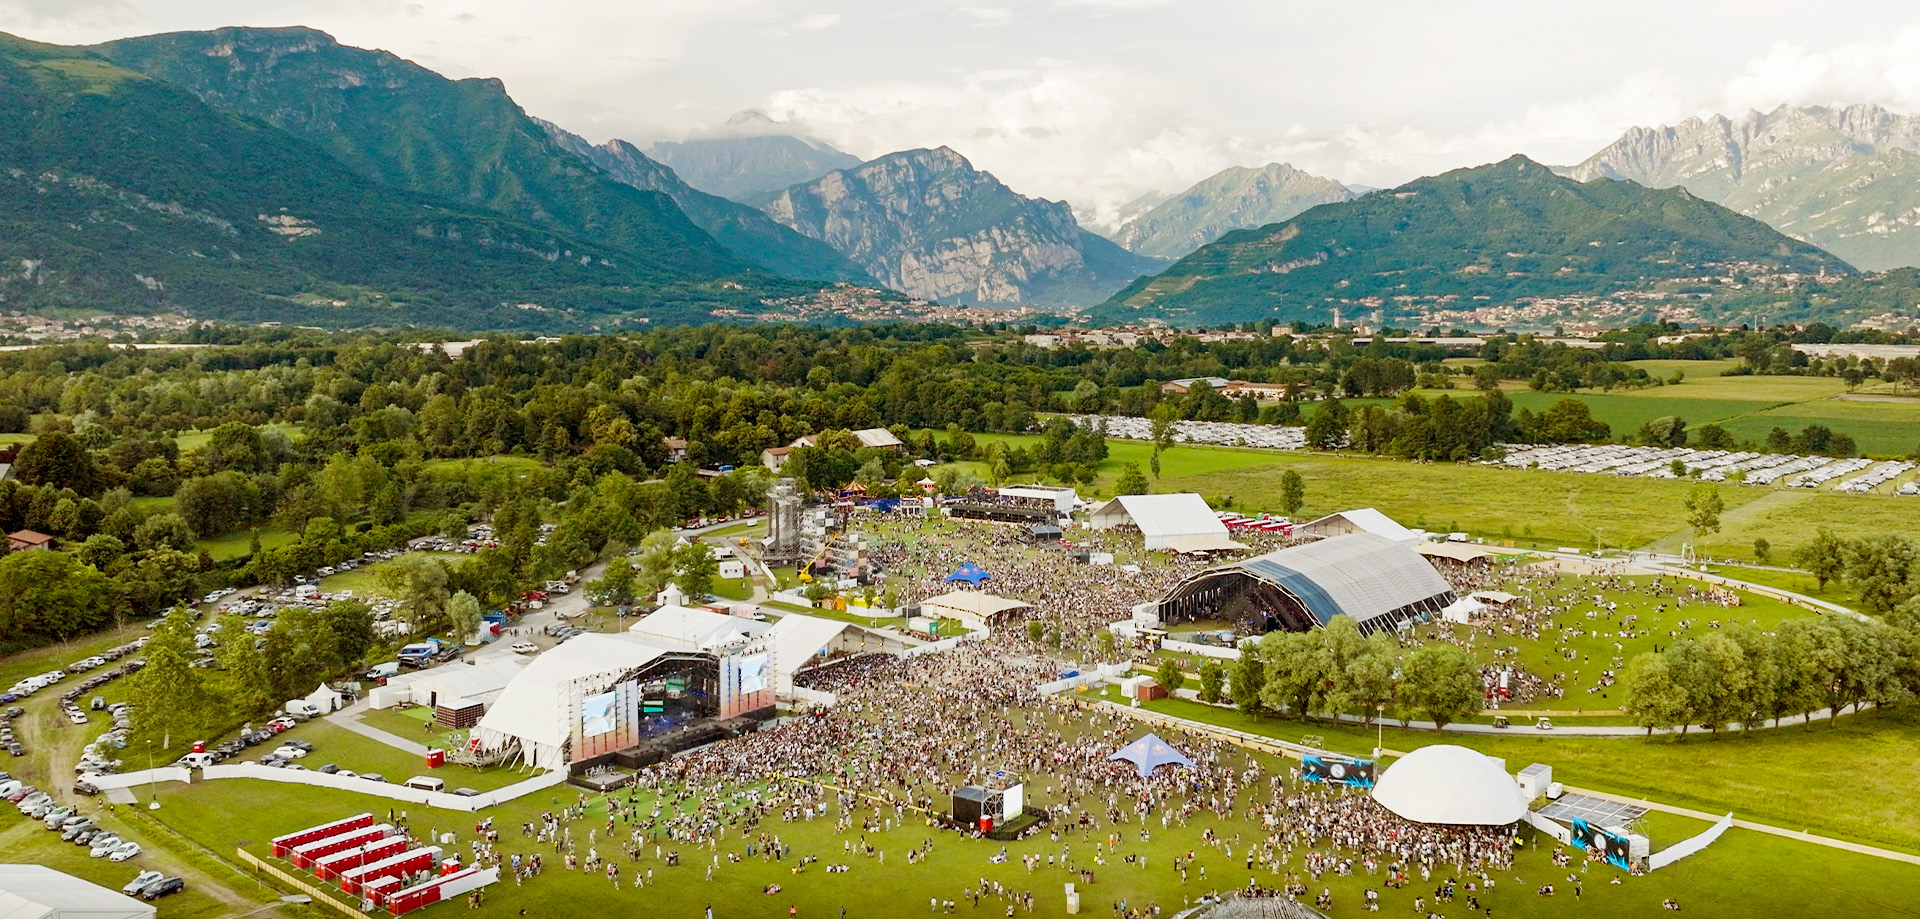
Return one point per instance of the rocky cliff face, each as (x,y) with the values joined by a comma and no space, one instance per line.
(927,223)
(1845,179)
(749,233)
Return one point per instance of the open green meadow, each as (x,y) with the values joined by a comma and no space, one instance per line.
(1784,777)
(364,581)
(239,542)
(194,440)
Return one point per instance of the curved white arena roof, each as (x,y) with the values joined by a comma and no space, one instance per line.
(1448,784)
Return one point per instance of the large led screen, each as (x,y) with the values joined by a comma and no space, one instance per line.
(599,714)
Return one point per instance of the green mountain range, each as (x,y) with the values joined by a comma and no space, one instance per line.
(1846,179)
(1231,199)
(123,193)
(405,126)
(925,222)
(1509,230)
(751,168)
(744,230)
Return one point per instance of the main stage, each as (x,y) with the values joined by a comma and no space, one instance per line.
(616,769)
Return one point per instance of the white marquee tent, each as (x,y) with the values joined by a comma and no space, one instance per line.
(973,608)
(482,683)
(537,708)
(39,892)
(1449,784)
(1163,519)
(694,629)
(1358,520)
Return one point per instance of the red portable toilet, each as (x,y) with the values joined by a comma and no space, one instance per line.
(436,758)
(199,746)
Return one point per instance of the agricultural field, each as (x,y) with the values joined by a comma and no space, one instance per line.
(239,542)
(194,440)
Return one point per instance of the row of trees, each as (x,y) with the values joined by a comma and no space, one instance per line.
(1337,671)
(1743,675)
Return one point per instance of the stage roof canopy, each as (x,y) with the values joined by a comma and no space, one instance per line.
(536,708)
(1376,581)
(1443,783)
(1200,545)
(1150,753)
(1358,520)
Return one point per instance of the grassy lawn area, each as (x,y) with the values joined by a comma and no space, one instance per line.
(153,504)
(1788,517)
(1596,646)
(335,744)
(1880,428)
(1799,582)
(1779,776)
(239,542)
(1802,881)
(29,842)
(194,440)
(520,464)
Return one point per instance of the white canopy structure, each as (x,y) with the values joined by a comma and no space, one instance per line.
(537,708)
(326,698)
(1204,545)
(1454,552)
(1162,519)
(800,641)
(1495,597)
(482,683)
(39,892)
(1358,520)
(972,607)
(1463,610)
(693,629)
(1448,784)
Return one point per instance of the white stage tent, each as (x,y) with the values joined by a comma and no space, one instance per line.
(694,629)
(537,709)
(798,641)
(972,607)
(39,892)
(1449,784)
(1162,519)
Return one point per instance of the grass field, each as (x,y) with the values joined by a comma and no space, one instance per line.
(194,440)
(1802,880)
(1779,776)
(1788,517)
(1598,648)
(240,542)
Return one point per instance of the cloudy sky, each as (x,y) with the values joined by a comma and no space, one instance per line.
(1097,101)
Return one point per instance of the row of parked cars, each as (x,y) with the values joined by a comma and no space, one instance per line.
(40,681)
(73,826)
(152,885)
(98,757)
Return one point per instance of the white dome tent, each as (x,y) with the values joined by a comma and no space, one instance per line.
(1447,784)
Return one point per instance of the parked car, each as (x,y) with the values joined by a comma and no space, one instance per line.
(16,749)
(289,752)
(162,887)
(299,744)
(273,760)
(328,769)
(74,830)
(140,881)
(103,844)
(525,647)
(124,851)
(85,836)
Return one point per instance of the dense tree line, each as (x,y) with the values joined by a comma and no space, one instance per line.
(1337,671)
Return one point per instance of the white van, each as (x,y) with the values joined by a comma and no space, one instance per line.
(384,671)
(426,783)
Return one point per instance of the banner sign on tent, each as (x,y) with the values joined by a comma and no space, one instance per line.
(1611,846)
(1353,773)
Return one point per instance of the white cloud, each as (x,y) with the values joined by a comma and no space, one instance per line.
(987,15)
(817,21)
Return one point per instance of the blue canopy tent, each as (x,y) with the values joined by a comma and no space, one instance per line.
(970,573)
(1150,753)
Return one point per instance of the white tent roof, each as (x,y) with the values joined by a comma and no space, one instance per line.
(798,638)
(478,682)
(1162,519)
(1444,783)
(1459,552)
(536,708)
(39,892)
(1463,609)
(1363,518)
(1497,597)
(970,604)
(694,629)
